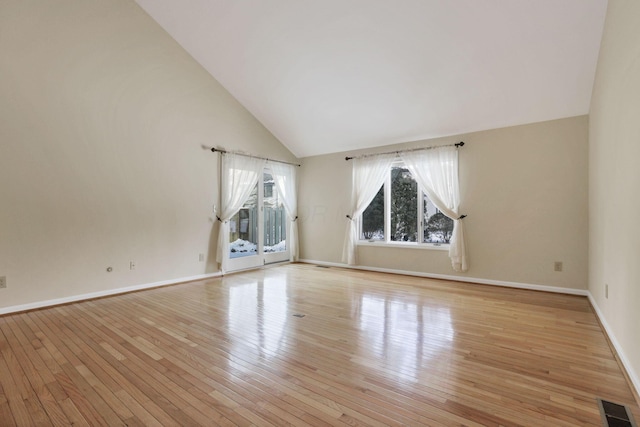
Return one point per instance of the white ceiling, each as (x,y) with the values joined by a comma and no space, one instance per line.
(335,75)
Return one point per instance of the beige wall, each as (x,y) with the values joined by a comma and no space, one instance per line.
(102,122)
(523,188)
(614,181)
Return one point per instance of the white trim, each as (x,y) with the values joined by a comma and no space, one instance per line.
(518,285)
(404,245)
(258,267)
(92,295)
(633,376)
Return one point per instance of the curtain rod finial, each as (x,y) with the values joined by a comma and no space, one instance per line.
(460,144)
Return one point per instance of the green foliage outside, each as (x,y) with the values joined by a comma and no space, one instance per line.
(373,218)
(404,206)
(439,228)
(404,214)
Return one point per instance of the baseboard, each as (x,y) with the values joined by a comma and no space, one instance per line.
(619,352)
(617,348)
(92,295)
(518,285)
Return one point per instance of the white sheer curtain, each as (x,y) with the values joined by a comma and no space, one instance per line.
(369,173)
(436,170)
(284,176)
(240,175)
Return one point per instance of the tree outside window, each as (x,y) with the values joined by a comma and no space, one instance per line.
(404,206)
(373,218)
(404,212)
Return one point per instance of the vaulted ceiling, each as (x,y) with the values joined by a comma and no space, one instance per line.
(335,75)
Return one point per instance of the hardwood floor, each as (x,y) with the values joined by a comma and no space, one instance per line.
(367,349)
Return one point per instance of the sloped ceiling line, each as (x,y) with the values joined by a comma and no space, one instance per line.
(331,76)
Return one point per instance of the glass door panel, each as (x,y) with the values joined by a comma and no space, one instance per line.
(244,235)
(274,222)
(258,232)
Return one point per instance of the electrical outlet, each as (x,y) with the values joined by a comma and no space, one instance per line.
(557,266)
(606,291)
(201,257)
(132,265)
(3,281)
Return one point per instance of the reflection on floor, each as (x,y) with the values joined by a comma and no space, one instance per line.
(301,345)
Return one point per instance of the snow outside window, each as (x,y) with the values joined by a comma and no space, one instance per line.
(402,212)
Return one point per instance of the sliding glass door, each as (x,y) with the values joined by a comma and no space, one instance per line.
(258,232)
(274,221)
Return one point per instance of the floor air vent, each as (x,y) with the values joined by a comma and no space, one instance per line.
(322,266)
(615,415)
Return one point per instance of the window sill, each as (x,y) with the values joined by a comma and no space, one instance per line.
(405,245)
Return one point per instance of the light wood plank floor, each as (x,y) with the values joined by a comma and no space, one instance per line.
(372,349)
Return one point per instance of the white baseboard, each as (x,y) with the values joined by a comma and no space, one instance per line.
(583,292)
(618,348)
(74,298)
(545,288)
(633,376)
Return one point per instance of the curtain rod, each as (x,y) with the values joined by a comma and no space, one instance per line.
(459,144)
(213,150)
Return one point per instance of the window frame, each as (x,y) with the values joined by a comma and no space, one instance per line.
(387,242)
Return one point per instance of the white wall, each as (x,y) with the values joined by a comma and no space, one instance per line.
(102,122)
(523,188)
(614,181)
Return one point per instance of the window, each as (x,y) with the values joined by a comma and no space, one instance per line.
(402,212)
(244,229)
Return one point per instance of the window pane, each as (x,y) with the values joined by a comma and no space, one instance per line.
(404,206)
(275,218)
(437,227)
(373,218)
(243,236)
